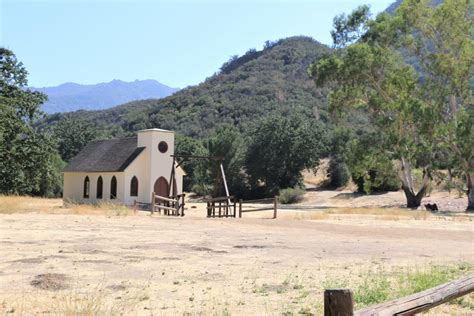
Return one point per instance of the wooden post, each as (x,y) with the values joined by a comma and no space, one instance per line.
(225,183)
(172,176)
(153,203)
(275,206)
(235,211)
(182,204)
(338,302)
(240,208)
(134,206)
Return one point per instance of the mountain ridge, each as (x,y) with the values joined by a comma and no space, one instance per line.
(71,96)
(271,81)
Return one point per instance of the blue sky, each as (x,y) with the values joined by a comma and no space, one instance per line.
(178,43)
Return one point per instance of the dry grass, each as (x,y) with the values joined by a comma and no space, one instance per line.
(388,214)
(76,301)
(50,281)
(105,208)
(27,204)
(385,212)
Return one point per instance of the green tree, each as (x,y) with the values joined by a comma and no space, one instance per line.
(367,71)
(228,144)
(28,158)
(280,148)
(72,134)
(338,171)
(198,175)
(440,40)
(371,167)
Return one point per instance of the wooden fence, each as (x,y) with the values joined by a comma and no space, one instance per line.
(221,207)
(274,206)
(340,302)
(172,206)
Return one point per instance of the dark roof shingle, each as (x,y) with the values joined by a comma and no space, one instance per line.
(109,155)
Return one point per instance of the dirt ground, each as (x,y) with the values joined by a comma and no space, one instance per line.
(154,265)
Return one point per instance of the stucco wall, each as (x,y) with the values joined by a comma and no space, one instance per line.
(74,186)
(138,168)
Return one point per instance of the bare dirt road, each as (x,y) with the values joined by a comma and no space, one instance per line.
(159,265)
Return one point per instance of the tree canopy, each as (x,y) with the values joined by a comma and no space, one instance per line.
(29,163)
(280,149)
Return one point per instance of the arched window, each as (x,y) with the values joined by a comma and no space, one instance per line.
(134,186)
(100,185)
(113,188)
(87,186)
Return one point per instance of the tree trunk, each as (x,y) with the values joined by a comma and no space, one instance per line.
(414,200)
(405,172)
(470,192)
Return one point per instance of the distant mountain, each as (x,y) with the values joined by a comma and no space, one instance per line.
(271,81)
(72,96)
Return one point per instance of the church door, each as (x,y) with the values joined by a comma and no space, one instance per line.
(161,187)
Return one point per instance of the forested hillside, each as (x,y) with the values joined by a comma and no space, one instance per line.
(273,80)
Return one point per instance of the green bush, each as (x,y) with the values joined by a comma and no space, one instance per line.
(380,180)
(202,189)
(291,195)
(339,173)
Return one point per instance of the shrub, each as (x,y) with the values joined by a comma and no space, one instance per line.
(202,189)
(291,195)
(377,180)
(338,172)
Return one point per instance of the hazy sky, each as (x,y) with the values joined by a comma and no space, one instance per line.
(178,43)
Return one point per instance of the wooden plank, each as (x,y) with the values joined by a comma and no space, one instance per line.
(275,206)
(422,301)
(153,203)
(258,209)
(198,157)
(338,302)
(162,198)
(182,196)
(158,206)
(259,201)
(240,208)
(225,182)
(171,186)
(177,196)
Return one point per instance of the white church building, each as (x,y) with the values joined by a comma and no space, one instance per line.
(123,170)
